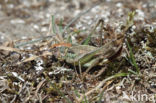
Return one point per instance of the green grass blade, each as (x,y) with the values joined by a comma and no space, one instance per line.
(60,25)
(53,24)
(17,45)
(132,58)
(77,93)
(69,38)
(87,40)
(133,72)
(85,99)
(130,20)
(101,94)
(120,75)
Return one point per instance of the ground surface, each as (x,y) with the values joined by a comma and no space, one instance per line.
(33,71)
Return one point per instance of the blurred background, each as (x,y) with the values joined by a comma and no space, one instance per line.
(21,19)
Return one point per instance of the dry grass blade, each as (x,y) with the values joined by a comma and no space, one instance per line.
(28,59)
(101,84)
(10,49)
(100,72)
(46,53)
(38,87)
